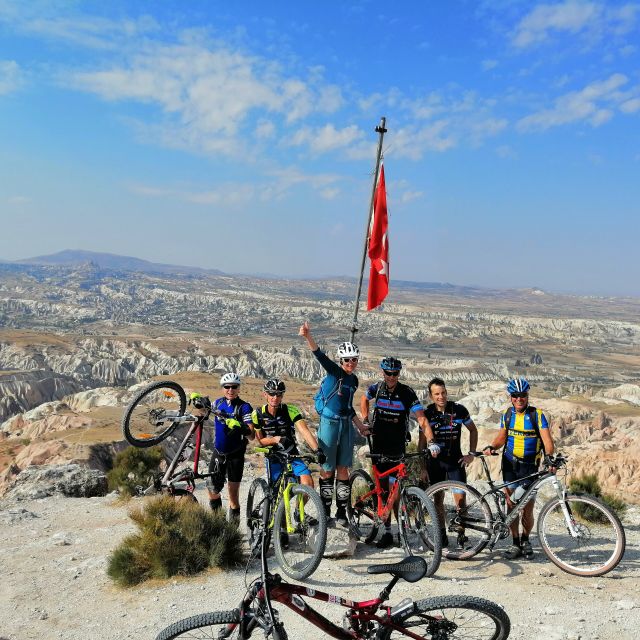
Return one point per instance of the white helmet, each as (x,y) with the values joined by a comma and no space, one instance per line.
(229,378)
(348,350)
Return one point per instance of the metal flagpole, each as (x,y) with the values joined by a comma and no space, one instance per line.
(380,129)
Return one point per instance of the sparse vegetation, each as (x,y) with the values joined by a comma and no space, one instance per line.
(133,467)
(589,484)
(175,537)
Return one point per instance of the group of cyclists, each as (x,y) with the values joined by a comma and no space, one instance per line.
(384,412)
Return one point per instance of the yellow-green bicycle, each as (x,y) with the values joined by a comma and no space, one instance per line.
(295,518)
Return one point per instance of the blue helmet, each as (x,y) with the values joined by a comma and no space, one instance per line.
(390,364)
(518,385)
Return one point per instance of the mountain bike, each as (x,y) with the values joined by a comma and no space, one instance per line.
(578,533)
(294,512)
(438,618)
(151,417)
(417,515)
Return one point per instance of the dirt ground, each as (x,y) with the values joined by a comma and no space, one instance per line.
(54,555)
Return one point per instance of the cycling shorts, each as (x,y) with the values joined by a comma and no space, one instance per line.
(335,439)
(299,469)
(440,469)
(514,470)
(229,466)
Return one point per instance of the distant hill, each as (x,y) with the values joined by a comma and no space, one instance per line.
(113,261)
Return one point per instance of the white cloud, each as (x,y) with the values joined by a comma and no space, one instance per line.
(326,138)
(630,106)
(487,65)
(10,77)
(598,19)
(571,16)
(18,200)
(410,196)
(593,104)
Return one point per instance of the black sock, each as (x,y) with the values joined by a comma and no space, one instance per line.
(326,493)
(234,513)
(343,494)
(524,537)
(516,541)
(215,503)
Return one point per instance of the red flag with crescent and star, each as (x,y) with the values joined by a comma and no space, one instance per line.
(379,247)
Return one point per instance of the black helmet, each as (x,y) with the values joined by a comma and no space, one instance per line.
(274,385)
(390,364)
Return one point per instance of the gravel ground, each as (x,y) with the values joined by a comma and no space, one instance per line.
(54,585)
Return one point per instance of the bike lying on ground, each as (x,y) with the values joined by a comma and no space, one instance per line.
(438,618)
(578,533)
(295,515)
(151,417)
(417,515)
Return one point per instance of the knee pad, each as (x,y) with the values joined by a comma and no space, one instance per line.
(326,488)
(343,491)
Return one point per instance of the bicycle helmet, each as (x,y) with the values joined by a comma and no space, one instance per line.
(390,364)
(348,350)
(518,385)
(229,378)
(274,385)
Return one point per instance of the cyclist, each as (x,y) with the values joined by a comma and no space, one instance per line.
(231,434)
(526,437)
(276,423)
(393,403)
(335,434)
(447,419)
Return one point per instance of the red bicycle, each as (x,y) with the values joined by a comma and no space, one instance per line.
(438,618)
(418,522)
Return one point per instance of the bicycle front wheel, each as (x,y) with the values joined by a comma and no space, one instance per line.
(150,416)
(464,517)
(453,618)
(299,546)
(221,624)
(362,508)
(256,504)
(419,528)
(597,542)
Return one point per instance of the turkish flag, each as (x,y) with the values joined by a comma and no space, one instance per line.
(379,248)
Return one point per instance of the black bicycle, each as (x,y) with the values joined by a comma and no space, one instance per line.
(152,416)
(295,519)
(578,533)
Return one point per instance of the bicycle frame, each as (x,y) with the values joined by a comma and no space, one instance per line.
(400,471)
(507,518)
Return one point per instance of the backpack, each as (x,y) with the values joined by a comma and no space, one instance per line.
(533,416)
(320,400)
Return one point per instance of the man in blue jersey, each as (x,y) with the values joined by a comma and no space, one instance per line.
(335,434)
(393,403)
(227,460)
(525,435)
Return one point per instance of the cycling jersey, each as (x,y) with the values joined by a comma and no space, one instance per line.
(523,443)
(282,424)
(391,412)
(447,428)
(340,403)
(230,440)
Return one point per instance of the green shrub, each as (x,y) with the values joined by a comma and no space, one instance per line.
(133,467)
(588,483)
(175,537)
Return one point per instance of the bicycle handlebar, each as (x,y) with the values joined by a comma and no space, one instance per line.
(285,454)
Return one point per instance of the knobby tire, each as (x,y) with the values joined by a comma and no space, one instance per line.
(362,513)
(207,626)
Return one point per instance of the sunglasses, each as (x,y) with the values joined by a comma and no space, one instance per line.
(349,359)
(519,395)
(273,394)
(391,373)
(231,386)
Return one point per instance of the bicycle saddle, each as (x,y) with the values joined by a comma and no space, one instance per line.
(411,569)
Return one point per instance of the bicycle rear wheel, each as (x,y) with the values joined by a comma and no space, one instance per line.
(221,624)
(150,417)
(600,542)
(299,548)
(464,516)
(362,509)
(256,504)
(419,529)
(453,618)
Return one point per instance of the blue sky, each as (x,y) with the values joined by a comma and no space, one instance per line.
(240,136)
